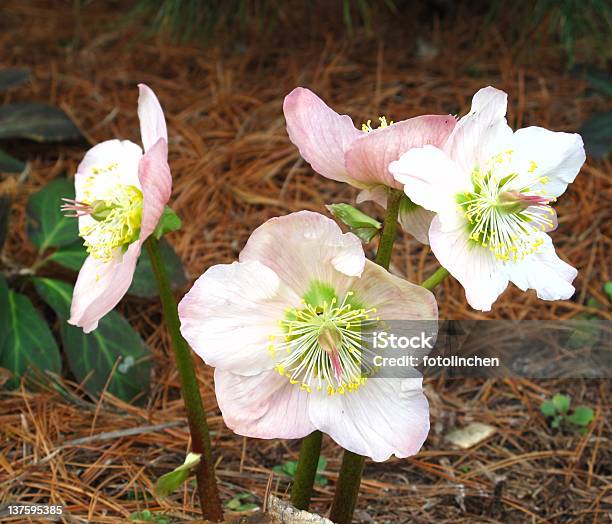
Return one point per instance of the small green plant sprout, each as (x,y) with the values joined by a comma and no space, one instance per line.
(242,502)
(289,468)
(148,516)
(557,410)
(171,481)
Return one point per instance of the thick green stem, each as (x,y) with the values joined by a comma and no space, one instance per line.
(347,488)
(301,492)
(431,282)
(198,427)
(385,246)
(349,480)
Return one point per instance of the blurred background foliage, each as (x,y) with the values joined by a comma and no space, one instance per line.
(581,27)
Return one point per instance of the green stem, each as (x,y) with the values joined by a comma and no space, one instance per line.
(198,427)
(431,282)
(304,477)
(347,488)
(385,246)
(349,480)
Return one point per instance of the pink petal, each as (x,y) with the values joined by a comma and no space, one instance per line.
(321,134)
(394,298)
(100,286)
(151,115)
(368,158)
(303,247)
(156,183)
(263,406)
(383,417)
(230,313)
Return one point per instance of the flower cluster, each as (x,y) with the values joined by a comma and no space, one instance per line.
(284,325)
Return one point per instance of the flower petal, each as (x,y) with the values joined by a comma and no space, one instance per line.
(156,182)
(100,286)
(416,221)
(322,135)
(483,132)
(266,405)
(368,158)
(383,417)
(545,272)
(476,268)
(556,156)
(394,298)
(91,180)
(431,179)
(231,311)
(305,246)
(376,194)
(151,115)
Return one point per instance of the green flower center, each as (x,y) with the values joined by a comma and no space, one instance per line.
(502,217)
(117,221)
(322,346)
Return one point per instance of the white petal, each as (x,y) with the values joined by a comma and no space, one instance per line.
(475,267)
(383,417)
(266,405)
(101,285)
(305,246)
(230,313)
(558,156)
(483,132)
(376,194)
(545,272)
(416,221)
(431,179)
(104,166)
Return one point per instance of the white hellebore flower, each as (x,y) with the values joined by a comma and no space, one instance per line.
(491,189)
(281,327)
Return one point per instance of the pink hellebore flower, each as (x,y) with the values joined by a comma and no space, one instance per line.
(491,188)
(334,148)
(120,196)
(282,326)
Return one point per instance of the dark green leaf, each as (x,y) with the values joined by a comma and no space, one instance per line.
(36,121)
(10,78)
(561,402)
(71,256)
(171,481)
(608,289)
(9,164)
(597,135)
(5,213)
(582,416)
(92,357)
(46,225)
(4,309)
(168,222)
(143,284)
(28,342)
(548,409)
